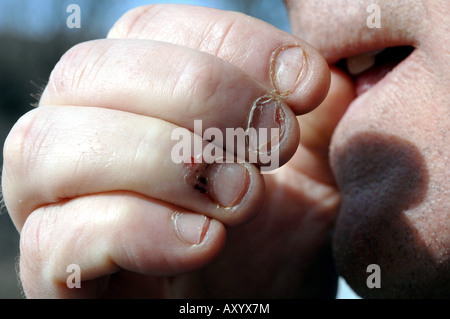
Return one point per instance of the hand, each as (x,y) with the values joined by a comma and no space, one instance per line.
(88,177)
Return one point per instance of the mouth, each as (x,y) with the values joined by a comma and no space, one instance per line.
(369,68)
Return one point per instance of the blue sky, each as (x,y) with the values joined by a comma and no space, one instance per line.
(40,18)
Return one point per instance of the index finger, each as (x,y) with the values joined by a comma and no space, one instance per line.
(277,59)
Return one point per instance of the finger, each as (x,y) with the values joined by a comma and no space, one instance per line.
(292,67)
(318,126)
(98,235)
(56,153)
(134,76)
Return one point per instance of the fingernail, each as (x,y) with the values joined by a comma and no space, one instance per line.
(227,183)
(286,68)
(191,228)
(267,114)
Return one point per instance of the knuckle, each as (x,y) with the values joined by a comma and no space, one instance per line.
(225,34)
(20,143)
(202,86)
(43,244)
(27,144)
(210,85)
(130,24)
(74,71)
(34,242)
(222,35)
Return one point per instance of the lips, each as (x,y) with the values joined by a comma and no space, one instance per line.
(386,151)
(368,68)
(379,176)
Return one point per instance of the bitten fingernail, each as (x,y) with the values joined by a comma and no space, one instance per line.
(287,65)
(191,228)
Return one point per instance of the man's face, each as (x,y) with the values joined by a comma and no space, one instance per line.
(391,151)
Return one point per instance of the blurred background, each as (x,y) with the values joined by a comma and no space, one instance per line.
(33,36)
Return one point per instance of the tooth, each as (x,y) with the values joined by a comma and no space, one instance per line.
(361,62)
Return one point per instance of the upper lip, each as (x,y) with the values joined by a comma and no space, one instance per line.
(346,33)
(389,57)
(349,44)
(334,55)
(340,58)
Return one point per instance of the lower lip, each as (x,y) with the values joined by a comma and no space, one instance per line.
(366,80)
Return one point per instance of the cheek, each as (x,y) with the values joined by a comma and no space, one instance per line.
(390,155)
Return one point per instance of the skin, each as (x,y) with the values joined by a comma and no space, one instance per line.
(388,151)
(87,180)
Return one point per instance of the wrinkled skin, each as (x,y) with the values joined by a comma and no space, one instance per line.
(367,183)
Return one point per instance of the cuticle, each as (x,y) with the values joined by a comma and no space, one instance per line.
(273,61)
(174,217)
(280,115)
(205,229)
(244,189)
